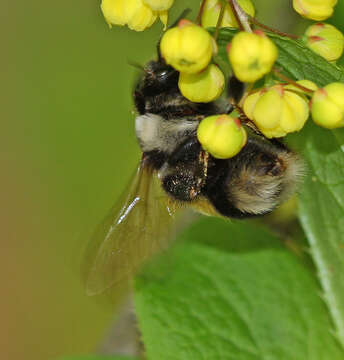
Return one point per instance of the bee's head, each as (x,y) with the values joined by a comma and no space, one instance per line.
(158,78)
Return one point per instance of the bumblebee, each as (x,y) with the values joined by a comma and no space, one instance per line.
(176,172)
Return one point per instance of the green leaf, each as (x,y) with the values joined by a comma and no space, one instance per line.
(322,214)
(235,293)
(294,58)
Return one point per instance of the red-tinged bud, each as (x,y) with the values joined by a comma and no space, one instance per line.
(187,47)
(277,111)
(325,40)
(314,9)
(328,106)
(222,136)
(251,55)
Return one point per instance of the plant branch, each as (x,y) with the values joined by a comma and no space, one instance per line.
(291,81)
(275,31)
(200,13)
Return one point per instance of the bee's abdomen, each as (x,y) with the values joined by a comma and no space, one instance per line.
(255,181)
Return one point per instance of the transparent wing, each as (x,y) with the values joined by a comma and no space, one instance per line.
(137,228)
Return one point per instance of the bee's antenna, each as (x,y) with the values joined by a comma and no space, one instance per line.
(136,65)
(181,16)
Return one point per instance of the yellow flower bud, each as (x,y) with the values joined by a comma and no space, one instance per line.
(222,136)
(251,101)
(114,12)
(187,47)
(141,16)
(325,40)
(212,10)
(314,9)
(266,113)
(159,5)
(277,111)
(251,55)
(133,13)
(327,106)
(204,86)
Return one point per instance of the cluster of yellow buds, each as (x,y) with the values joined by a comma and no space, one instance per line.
(212,9)
(189,49)
(314,9)
(278,110)
(251,55)
(137,14)
(222,136)
(327,103)
(282,109)
(326,40)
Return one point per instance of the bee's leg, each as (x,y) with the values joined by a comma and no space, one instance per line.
(181,185)
(203,160)
(228,108)
(185,171)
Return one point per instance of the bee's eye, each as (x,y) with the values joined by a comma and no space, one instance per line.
(163,75)
(158,78)
(166,78)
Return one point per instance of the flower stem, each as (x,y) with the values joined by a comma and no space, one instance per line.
(240,15)
(219,20)
(275,31)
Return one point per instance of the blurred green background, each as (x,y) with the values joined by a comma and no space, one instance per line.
(68,149)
